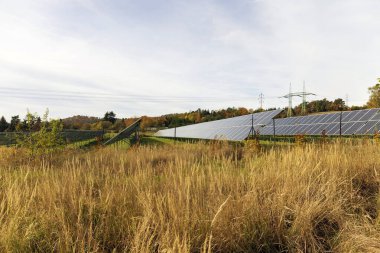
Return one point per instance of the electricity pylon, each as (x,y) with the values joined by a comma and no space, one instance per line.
(261,100)
(297,94)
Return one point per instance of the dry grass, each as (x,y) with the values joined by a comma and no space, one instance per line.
(192,198)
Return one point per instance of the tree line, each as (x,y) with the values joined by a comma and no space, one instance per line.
(111,122)
(33,123)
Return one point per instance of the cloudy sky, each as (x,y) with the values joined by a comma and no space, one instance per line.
(154,57)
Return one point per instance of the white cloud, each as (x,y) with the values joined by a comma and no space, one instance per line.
(179,48)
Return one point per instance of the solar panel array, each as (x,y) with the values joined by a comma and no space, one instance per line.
(80,135)
(234,129)
(347,123)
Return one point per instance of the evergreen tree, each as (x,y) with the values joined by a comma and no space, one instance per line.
(15,121)
(110,116)
(3,124)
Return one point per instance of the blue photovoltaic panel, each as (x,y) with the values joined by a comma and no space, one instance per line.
(353,122)
(372,126)
(234,129)
(359,122)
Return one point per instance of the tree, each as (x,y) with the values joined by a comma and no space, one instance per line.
(101,125)
(3,124)
(15,121)
(31,123)
(46,140)
(338,105)
(110,116)
(198,116)
(79,122)
(119,125)
(374,98)
(85,126)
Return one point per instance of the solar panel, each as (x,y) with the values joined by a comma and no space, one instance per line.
(125,133)
(80,135)
(372,125)
(350,122)
(234,129)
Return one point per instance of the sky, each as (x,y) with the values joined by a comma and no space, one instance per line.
(153,57)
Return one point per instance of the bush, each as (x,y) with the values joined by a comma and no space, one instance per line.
(46,140)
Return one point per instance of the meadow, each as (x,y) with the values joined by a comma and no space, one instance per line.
(198,197)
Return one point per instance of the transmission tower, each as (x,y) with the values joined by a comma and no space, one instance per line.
(261,100)
(304,111)
(297,94)
(290,105)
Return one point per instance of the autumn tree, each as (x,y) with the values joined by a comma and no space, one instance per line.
(101,125)
(374,98)
(338,105)
(119,125)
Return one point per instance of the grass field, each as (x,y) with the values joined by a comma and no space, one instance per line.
(178,197)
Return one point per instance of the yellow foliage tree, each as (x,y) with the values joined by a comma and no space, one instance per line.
(374,98)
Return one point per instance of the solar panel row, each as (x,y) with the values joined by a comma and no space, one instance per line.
(345,123)
(235,129)
(238,128)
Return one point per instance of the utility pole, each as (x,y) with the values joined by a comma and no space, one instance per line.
(261,100)
(297,94)
(252,128)
(340,123)
(290,106)
(304,112)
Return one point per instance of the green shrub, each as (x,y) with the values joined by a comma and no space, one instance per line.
(46,140)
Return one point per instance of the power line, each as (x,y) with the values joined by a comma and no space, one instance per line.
(98,96)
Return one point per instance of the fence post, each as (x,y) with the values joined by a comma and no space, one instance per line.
(253,130)
(340,124)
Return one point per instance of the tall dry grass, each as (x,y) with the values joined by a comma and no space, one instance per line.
(192,198)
